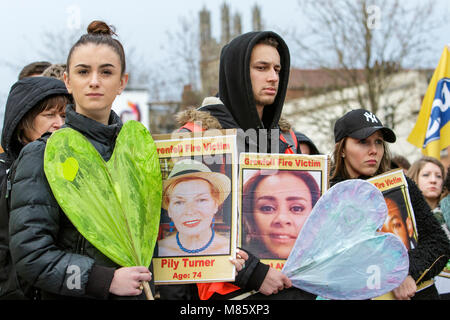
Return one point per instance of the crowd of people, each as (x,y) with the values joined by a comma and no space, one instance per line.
(38,242)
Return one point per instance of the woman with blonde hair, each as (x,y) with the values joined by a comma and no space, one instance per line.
(428,173)
(192,195)
(275,206)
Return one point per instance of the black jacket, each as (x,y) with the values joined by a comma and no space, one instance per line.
(235,87)
(432,241)
(47,249)
(24,95)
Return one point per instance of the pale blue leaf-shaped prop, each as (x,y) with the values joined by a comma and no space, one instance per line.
(116,205)
(339,254)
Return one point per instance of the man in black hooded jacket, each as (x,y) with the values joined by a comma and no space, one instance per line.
(253,78)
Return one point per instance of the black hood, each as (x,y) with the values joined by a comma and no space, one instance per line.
(23,96)
(235,87)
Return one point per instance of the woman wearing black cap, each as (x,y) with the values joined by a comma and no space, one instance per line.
(361,152)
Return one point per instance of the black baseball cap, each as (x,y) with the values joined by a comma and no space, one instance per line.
(360,124)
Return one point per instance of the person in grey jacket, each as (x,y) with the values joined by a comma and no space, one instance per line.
(48,251)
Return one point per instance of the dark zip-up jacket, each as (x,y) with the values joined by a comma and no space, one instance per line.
(235,86)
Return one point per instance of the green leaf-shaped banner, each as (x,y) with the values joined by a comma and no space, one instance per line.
(116,205)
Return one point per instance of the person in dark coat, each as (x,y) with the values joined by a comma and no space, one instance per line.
(35,105)
(48,251)
(29,100)
(34,69)
(361,152)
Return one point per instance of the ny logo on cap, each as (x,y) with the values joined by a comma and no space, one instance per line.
(370,116)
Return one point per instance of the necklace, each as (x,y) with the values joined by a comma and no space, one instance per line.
(195,250)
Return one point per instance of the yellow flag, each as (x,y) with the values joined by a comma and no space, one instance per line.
(431,132)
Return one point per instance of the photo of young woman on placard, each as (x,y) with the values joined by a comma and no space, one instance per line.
(398,221)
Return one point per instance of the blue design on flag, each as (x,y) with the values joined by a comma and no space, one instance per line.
(440,112)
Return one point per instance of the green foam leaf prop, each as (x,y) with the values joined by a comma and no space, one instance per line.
(115,205)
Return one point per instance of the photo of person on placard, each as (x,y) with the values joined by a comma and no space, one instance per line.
(192,197)
(398,221)
(275,206)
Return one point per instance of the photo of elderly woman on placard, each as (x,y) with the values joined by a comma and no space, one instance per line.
(275,206)
(192,196)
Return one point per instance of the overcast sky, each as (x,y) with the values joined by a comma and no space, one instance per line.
(142,24)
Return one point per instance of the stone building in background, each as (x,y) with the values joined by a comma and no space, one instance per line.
(162,112)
